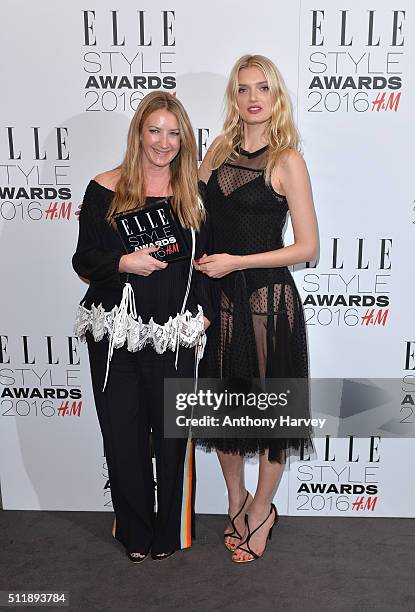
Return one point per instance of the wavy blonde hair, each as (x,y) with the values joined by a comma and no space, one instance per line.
(130,192)
(280,132)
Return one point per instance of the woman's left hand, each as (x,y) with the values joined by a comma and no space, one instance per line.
(217,266)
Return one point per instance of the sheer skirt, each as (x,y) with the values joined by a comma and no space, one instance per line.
(258,334)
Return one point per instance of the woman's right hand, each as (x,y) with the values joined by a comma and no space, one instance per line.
(140,262)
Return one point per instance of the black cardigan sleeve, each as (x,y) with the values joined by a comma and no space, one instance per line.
(91,260)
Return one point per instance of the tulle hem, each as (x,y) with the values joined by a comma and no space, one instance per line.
(251,447)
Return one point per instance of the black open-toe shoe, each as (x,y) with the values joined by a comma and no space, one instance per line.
(137,559)
(245,545)
(234,533)
(162,556)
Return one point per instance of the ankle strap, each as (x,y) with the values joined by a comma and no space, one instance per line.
(242,507)
(250,533)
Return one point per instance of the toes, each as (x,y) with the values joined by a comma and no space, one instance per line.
(241,556)
(230,543)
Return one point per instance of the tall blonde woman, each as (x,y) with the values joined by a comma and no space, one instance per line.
(255,175)
(134,310)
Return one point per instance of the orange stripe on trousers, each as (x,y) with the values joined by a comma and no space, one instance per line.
(186,514)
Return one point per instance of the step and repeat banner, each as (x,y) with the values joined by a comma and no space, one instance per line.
(73,75)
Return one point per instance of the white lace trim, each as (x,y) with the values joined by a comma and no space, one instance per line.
(182,330)
(122,326)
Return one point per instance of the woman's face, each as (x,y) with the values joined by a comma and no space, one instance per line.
(253,98)
(160,138)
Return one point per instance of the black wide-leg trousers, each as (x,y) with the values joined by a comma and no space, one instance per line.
(128,410)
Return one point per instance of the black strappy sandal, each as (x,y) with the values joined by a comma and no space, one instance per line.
(162,556)
(235,533)
(248,549)
(134,559)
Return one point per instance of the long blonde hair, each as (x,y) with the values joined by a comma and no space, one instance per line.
(280,132)
(130,191)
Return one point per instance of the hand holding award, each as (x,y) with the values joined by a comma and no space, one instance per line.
(142,262)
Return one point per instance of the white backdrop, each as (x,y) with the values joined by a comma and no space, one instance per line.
(73,76)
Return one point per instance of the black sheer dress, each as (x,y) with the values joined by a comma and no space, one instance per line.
(260,331)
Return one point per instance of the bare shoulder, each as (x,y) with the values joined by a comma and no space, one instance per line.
(205,168)
(215,142)
(290,166)
(211,150)
(292,160)
(109,179)
(290,172)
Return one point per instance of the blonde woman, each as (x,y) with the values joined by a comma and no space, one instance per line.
(255,175)
(136,303)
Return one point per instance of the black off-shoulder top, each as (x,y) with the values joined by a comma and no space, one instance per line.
(159,295)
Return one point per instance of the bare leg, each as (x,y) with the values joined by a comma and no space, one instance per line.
(233,471)
(269,477)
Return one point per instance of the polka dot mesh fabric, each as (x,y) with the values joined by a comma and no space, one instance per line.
(260,332)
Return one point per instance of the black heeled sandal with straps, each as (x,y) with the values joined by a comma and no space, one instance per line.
(235,533)
(247,548)
(137,559)
(162,556)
